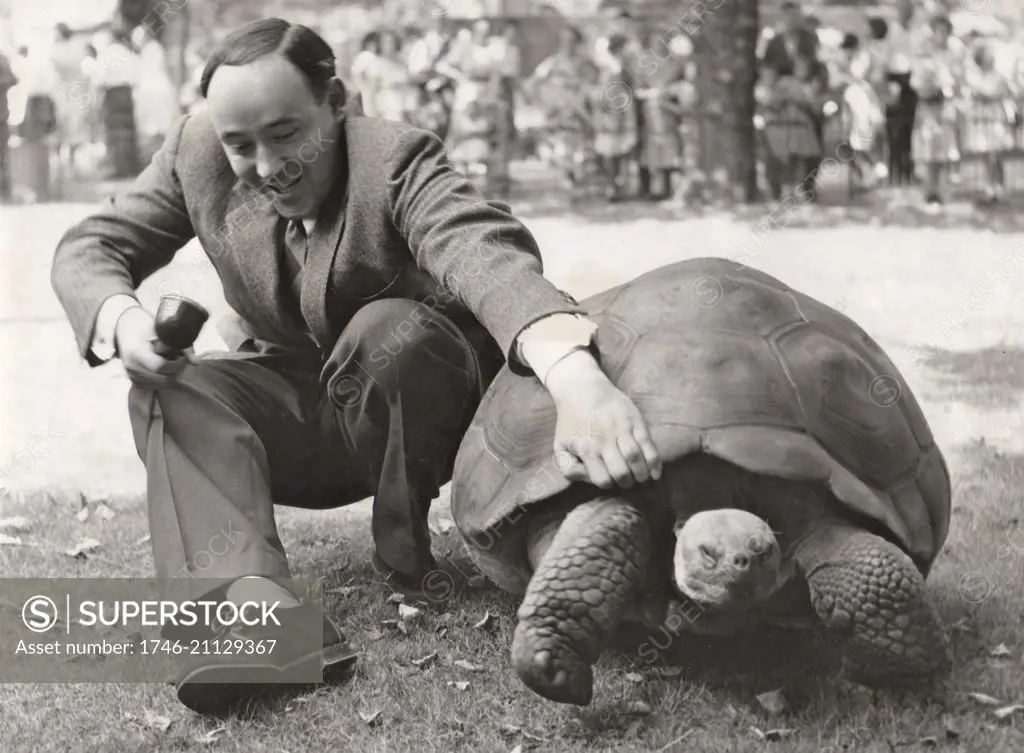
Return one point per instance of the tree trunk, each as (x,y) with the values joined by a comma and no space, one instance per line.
(727,59)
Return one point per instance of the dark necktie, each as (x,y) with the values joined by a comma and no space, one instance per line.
(295,243)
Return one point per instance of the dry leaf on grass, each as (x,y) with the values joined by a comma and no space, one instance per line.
(772,735)
(157,721)
(485,622)
(477,581)
(83,548)
(634,677)
(396,598)
(211,736)
(6,540)
(444,619)
(444,525)
(509,730)
(406,612)
(16,524)
(1007,711)
(987,700)
(426,661)
(373,634)
(458,684)
(104,512)
(371,720)
(518,749)
(403,628)
(144,540)
(468,666)
(640,708)
(774,702)
(1000,651)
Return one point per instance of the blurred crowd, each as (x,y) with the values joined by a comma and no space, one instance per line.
(99,99)
(908,100)
(902,103)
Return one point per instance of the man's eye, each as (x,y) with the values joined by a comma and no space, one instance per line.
(239,148)
(286,136)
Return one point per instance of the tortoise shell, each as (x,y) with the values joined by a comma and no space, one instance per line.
(725,360)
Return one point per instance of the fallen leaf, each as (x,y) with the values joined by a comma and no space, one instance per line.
(1007,711)
(669,672)
(16,524)
(985,699)
(509,730)
(211,736)
(445,525)
(634,677)
(468,666)
(641,708)
(518,749)
(6,540)
(104,512)
(389,623)
(487,621)
(83,548)
(371,720)
(458,684)
(373,634)
(477,581)
(774,702)
(406,612)
(144,540)
(83,515)
(157,721)
(426,661)
(444,619)
(396,598)
(998,652)
(772,735)
(403,628)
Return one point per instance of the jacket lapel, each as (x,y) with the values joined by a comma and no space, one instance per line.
(323,245)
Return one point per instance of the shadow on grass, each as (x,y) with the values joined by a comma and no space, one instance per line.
(989,378)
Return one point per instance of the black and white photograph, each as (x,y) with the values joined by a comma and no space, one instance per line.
(508,375)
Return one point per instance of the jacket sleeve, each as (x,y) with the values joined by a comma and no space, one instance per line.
(132,236)
(473,247)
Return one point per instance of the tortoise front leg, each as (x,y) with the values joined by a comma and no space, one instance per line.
(870,590)
(587,575)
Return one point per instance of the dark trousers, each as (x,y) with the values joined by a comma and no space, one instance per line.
(234,436)
(899,131)
(121,134)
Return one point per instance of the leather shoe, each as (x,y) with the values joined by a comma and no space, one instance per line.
(227,671)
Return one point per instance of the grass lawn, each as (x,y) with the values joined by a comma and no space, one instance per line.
(695,694)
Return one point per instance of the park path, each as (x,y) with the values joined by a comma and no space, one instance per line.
(914,289)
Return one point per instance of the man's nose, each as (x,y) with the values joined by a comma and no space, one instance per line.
(268,163)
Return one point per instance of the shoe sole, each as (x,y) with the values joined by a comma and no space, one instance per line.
(223,689)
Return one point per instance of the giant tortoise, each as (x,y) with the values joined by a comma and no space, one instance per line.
(794,456)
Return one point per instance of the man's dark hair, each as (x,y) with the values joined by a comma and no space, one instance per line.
(300,45)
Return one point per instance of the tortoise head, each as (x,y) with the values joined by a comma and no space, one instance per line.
(726,560)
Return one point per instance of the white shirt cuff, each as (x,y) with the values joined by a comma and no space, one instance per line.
(547,341)
(103,344)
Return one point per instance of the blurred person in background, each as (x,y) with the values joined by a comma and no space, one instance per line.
(862,111)
(74,100)
(469,63)
(390,83)
(937,75)
(613,114)
(156,99)
(121,77)
(903,41)
(988,127)
(660,149)
(361,70)
(557,88)
(7,81)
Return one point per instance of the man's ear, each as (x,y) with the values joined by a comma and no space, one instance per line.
(336,97)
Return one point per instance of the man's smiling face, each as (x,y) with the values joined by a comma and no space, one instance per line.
(276,133)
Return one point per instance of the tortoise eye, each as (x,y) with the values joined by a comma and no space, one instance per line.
(710,555)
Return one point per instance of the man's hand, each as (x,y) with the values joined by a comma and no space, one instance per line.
(135,336)
(603,432)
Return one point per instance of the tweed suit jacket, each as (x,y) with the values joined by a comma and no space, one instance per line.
(400,223)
